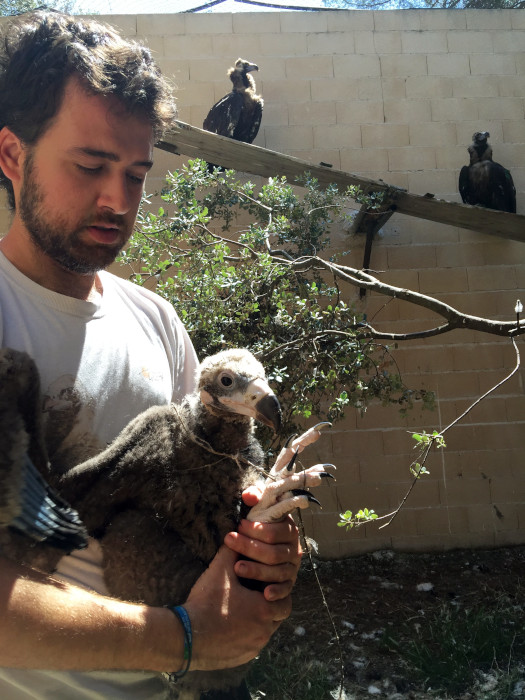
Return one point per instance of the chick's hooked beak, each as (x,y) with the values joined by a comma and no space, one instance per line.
(268,411)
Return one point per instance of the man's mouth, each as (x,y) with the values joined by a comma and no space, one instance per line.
(105,234)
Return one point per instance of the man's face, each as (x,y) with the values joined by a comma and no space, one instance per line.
(83,181)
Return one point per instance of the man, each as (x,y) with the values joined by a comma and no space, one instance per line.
(80,110)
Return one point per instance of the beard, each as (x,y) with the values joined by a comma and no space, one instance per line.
(60,238)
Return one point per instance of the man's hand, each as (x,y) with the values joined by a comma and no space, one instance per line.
(273,554)
(231,623)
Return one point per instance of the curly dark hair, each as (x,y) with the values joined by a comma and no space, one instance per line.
(41,50)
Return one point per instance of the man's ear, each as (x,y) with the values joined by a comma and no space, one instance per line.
(11,155)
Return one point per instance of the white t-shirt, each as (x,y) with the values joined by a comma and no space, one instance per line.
(101,364)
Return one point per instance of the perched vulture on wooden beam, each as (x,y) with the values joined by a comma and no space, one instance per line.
(484,182)
(238,114)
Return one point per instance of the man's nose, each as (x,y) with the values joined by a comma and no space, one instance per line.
(115,195)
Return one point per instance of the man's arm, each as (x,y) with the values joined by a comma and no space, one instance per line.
(48,624)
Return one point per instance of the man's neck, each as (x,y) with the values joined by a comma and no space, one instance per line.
(46,272)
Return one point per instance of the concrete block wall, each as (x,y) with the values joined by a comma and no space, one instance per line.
(394,95)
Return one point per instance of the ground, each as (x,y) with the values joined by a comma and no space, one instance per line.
(410,626)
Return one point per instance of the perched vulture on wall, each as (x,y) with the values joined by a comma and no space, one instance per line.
(162,496)
(238,114)
(484,182)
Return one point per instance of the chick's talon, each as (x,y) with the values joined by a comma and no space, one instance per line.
(309,497)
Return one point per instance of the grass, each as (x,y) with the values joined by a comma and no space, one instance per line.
(290,674)
(457,650)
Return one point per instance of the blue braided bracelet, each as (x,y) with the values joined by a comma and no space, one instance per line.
(183,616)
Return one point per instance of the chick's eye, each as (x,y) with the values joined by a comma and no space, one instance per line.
(226,380)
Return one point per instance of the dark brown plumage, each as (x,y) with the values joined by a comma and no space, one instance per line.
(484,182)
(238,114)
(163,495)
(31,512)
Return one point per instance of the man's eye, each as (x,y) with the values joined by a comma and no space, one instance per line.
(136,179)
(89,171)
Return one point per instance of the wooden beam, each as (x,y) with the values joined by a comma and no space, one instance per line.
(190,141)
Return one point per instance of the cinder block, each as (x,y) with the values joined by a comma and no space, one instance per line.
(387,42)
(256,23)
(437,134)
(309,66)
(216,23)
(490,19)
(407,111)
(286,91)
(427,42)
(510,85)
(500,108)
(275,114)
(359,112)
(481,518)
(303,21)
(383,135)
(438,182)
(286,139)
(411,158)
(476,86)
(125,24)
(335,89)
(5,218)
(364,42)
(206,69)
(330,43)
(450,280)
(491,278)
(349,20)
(492,64)
(354,66)
(458,384)
(470,42)
(448,64)
(520,63)
(517,20)
(443,19)
(425,86)
(363,443)
(161,24)
(390,89)
(416,257)
(196,93)
(274,45)
(403,65)
(462,109)
(397,19)
(356,160)
(182,46)
(452,158)
(177,68)
(312,113)
(432,520)
(227,48)
(458,492)
(337,136)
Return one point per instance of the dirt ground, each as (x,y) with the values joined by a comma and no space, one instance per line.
(375,596)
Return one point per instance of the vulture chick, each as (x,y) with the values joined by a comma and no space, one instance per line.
(238,114)
(484,182)
(31,512)
(163,495)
